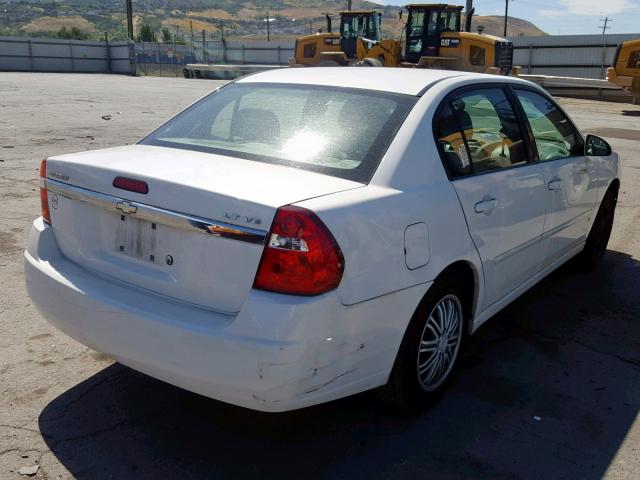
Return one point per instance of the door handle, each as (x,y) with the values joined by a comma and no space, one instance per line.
(485,206)
(582,170)
(554,184)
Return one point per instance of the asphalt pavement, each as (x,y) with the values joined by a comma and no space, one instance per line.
(549,388)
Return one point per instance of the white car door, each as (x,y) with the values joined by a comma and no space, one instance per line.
(569,174)
(502,193)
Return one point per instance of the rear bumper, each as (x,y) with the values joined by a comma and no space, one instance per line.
(278,353)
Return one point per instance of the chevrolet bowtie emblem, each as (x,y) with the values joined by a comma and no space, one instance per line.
(126,207)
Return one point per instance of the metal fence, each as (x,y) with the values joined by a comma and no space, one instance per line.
(55,55)
(169,58)
(582,56)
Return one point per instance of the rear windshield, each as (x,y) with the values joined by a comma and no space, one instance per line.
(335,131)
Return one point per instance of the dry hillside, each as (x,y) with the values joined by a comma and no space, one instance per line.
(53,24)
(516,27)
(288,18)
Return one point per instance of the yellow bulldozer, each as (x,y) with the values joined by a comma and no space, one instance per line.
(433,37)
(625,71)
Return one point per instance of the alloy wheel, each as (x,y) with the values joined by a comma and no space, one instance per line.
(440,342)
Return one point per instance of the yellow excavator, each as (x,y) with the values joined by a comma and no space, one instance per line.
(433,37)
(340,48)
(626,69)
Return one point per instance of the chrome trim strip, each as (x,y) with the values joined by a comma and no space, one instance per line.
(565,225)
(158,215)
(517,249)
(544,236)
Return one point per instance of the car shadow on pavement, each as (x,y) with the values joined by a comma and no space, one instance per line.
(548,388)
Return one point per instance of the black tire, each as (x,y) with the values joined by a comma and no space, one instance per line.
(598,238)
(368,62)
(404,391)
(328,63)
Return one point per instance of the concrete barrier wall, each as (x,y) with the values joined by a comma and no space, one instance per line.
(583,56)
(269,53)
(231,51)
(56,55)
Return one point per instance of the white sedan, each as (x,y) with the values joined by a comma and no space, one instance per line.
(302,235)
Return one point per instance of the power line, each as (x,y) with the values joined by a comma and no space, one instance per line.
(604,27)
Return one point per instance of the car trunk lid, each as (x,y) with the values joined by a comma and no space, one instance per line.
(196,236)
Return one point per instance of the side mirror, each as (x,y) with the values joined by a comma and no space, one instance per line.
(596,147)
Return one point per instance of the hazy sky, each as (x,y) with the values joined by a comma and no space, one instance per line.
(564,17)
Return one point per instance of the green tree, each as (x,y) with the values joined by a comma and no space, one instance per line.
(146,34)
(166,34)
(74,33)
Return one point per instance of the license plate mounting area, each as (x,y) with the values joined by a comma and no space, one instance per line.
(137,238)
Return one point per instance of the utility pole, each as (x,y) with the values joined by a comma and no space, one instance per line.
(223,43)
(604,27)
(268,28)
(204,46)
(130,20)
(506,16)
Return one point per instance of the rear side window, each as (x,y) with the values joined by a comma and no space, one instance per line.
(476,55)
(477,131)
(450,142)
(634,60)
(554,135)
(335,131)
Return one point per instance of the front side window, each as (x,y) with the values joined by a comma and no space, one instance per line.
(553,133)
(415,31)
(493,139)
(416,23)
(443,21)
(336,131)
(356,26)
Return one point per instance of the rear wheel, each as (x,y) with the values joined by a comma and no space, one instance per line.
(598,238)
(430,348)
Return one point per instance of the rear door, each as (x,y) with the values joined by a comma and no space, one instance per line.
(502,194)
(570,176)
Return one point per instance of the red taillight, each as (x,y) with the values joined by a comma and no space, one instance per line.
(301,256)
(44,198)
(131,184)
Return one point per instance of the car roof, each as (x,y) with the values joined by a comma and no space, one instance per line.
(408,81)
